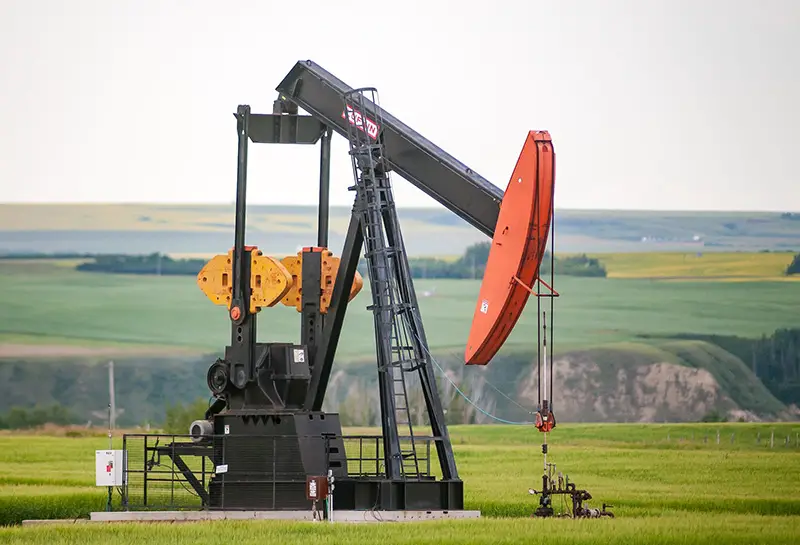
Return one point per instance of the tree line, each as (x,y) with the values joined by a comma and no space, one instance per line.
(152,264)
(20,418)
(44,255)
(774,359)
(471,264)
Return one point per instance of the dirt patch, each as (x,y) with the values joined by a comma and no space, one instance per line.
(675,387)
(638,393)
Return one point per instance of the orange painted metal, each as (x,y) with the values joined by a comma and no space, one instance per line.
(545,423)
(519,243)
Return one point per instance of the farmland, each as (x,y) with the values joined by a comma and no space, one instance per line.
(433,231)
(57,325)
(709,266)
(48,303)
(668,484)
(45,303)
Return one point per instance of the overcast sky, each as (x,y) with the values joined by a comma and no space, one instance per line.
(652,104)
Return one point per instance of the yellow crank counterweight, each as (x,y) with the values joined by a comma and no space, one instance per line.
(271,280)
(330,266)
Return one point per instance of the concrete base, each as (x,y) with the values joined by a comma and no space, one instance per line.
(308,516)
(60,522)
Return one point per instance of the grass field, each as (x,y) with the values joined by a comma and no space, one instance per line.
(717,266)
(46,302)
(668,484)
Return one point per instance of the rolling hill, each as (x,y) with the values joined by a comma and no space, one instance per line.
(208,229)
(614,346)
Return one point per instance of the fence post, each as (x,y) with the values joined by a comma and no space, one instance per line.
(732,437)
(718,436)
(758,437)
(772,439)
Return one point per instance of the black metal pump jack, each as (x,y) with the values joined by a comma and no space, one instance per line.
(254,399)
(399,334)
(265,432)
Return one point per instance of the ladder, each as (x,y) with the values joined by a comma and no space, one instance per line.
(394,312)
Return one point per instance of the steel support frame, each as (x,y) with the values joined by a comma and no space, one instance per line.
(320,333)
(241,351)
(433,402)
(283,126)
(326,349)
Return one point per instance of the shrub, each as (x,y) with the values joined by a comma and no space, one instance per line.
(180,417)
(794,267)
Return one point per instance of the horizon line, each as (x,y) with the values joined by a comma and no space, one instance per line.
(407,207)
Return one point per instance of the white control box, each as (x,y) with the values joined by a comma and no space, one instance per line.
(109,467)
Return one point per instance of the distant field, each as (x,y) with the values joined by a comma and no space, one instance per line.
(725,266)
(208,229)
(45,303)
(667,484)
(205,230)
(16,345)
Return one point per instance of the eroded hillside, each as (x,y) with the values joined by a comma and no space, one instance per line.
(677,381)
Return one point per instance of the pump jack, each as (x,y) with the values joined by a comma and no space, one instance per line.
(266,426)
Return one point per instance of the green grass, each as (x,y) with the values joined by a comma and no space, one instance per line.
(663,529)
(46,302)
(729,266)
(666,483)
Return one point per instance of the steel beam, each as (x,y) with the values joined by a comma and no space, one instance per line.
(452,183)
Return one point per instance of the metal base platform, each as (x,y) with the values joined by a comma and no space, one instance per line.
(263,471)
